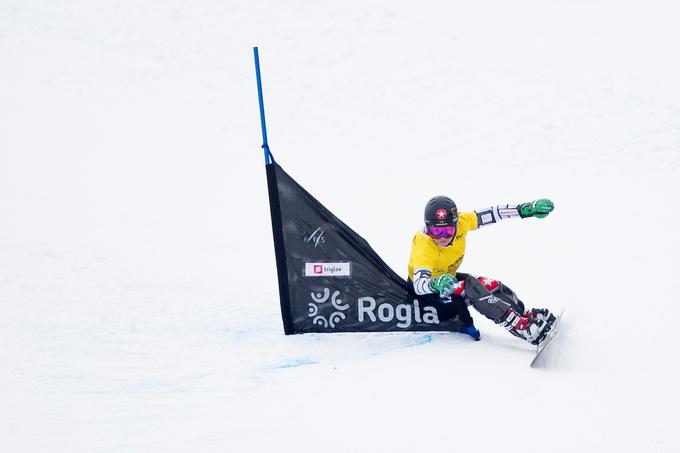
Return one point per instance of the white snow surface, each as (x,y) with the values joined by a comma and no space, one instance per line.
(138,296)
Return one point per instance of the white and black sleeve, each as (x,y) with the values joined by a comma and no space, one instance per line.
(494,214)
(421,281)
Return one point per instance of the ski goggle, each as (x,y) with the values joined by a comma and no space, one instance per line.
(442,231)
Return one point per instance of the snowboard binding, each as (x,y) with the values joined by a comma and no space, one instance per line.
(533,327)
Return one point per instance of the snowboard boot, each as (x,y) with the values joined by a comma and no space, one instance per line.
(473,332)
(527,328)
(542,314)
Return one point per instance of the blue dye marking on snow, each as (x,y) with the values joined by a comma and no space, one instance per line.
(416,341)
(295,363)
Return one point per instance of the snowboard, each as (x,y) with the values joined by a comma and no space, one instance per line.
(551,336)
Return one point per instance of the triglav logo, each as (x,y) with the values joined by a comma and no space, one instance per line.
(316,237)
(327,269)
(335,317)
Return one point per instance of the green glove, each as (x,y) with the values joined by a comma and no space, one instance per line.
(538,208)
(443,284)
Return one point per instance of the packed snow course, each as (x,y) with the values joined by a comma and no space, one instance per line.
(138,296)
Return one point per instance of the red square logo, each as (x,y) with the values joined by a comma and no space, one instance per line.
(318,269)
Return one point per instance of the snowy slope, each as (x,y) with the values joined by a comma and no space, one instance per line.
(138,298)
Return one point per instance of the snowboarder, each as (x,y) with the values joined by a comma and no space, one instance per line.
(437,252)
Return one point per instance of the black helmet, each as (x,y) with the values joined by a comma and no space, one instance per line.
(441,211)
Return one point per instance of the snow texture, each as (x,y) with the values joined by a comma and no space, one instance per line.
(138,296)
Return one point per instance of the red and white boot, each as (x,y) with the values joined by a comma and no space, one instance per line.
(528,328)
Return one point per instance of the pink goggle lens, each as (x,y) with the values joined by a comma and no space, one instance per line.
(439,232)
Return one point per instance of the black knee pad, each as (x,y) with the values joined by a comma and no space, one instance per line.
(484,301)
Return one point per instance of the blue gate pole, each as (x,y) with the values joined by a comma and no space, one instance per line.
(268,158)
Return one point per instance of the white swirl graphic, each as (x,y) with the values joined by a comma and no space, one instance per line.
(336,302)
(336,317)
(321,321)
(333,318)
(319,299)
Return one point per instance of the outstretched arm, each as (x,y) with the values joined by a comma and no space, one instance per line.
(538,208)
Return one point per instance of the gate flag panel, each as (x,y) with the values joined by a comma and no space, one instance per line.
(330,279)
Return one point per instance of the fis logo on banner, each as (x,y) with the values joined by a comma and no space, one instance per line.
(327,269)
(316,237)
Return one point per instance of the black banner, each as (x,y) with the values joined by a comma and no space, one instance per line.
(330,279)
